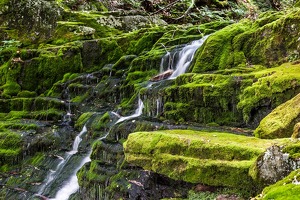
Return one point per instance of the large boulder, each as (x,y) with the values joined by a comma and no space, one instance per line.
(280,122)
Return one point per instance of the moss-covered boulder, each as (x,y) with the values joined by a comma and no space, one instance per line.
(251,43)
(280,122)
(28,21)
(212,158)
(285,189)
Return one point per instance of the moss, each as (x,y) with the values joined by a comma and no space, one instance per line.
(139,76)
(10,147)
(71,31)
(11,88)
(83,119)
(219,44)
(247,43)
(278,123)
(286,188)
(269,86)
(52,68)
(27,94)
(292,149)
(37,159)
(211,97)
(213,158)
(101,122)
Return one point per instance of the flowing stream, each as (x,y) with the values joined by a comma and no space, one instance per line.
(179,61)
(53,174)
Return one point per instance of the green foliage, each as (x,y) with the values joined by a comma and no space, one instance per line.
(201,195)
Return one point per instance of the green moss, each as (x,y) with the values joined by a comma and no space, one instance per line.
(101,122)
(11,88)
(83,119)
(27,94)
(286,188)
(246,43)
(37,159)
(71,31)
(10,147)
(210,97)
(220,45)
(213,158)
(278,123)
(275,85)
(293,149)
(140,76)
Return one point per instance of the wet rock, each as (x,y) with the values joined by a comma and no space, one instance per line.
(157,186)
(162,76)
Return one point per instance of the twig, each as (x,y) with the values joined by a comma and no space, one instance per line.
(167,6)
(187,11)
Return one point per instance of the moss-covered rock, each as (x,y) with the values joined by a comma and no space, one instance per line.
(213,158)
(247,43)
(285,189)
(32,22)
(280,122)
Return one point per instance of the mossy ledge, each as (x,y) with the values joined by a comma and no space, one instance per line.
(212,158)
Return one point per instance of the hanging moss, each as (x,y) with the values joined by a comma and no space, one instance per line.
(10,147)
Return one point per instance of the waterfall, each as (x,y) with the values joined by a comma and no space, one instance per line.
(77,141)
(72,186)
(180,63)
(137,112)
(63,161)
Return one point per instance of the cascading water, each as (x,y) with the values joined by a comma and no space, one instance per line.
(63,161)
(72,186)
(137,112)
(179,61)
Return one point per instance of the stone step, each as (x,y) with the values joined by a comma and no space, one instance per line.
(212,158)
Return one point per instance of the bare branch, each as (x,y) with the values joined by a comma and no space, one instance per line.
(187,11)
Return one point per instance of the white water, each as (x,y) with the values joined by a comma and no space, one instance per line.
(185,57)
(72,184)
(137,112)
(77,141)
(54,173)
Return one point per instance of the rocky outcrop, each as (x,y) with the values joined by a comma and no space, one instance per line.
(280,122)
(212,158)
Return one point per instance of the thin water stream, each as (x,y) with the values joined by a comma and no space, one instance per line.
(70,186)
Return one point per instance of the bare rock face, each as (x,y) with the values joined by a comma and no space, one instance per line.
(275,164)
